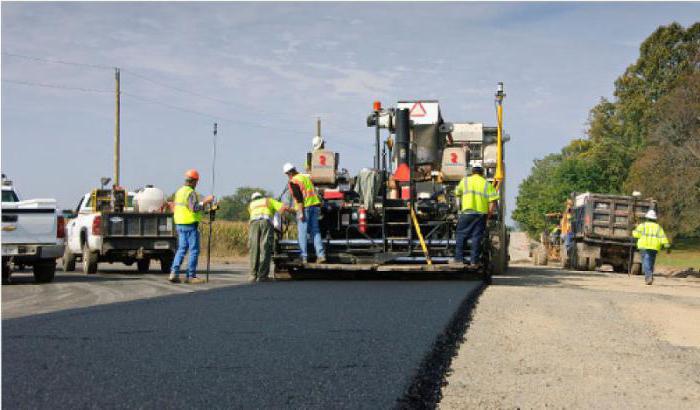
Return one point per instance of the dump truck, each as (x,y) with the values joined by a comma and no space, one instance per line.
(400,214)
(602,228)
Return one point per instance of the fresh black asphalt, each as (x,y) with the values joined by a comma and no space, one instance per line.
(309,344)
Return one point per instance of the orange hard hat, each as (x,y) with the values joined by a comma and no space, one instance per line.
(192,174)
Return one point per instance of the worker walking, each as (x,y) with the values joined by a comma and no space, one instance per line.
(187,215)
(478,199)
(261,234)
(308,210)
(650,238)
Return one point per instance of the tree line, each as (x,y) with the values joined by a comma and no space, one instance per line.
(646,138)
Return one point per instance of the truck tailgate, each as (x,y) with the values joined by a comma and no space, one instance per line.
(139,225)
(29,222)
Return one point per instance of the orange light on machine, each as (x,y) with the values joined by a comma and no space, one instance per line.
(362,220)
(377,106)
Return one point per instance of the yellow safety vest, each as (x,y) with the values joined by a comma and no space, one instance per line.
(650,235)
(476,193)
(183,214)
(307,189)
(263,208)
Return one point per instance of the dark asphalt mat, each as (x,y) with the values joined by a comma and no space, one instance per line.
(321,344)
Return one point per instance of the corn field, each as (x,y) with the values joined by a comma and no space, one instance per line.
(228,238)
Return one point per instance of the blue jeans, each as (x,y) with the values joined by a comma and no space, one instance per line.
(187,239)
(470,226)
(310,226)
(648,260)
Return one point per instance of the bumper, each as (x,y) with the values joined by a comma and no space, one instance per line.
(28,253)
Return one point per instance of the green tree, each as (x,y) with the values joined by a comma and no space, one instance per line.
(235,207)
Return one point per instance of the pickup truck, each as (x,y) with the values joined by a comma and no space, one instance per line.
(32,235)
(94,236)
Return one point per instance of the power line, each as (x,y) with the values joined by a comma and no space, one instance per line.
(55,86)
(56,61)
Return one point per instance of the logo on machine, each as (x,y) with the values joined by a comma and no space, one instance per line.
(322,159)
(453,157)
(418,110)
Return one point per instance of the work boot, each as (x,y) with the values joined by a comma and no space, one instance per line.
(304,260)
(173,278)
(252,278)
(455,261)
(194,280)
(322,259)
(649,281)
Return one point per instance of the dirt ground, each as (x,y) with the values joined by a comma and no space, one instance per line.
(550,338)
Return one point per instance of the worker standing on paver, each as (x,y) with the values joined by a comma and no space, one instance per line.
(650,239)
(308,210)
(478,202)
(261,234)
(187,215)
(566,229)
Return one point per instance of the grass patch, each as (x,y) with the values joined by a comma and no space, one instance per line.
(685,253)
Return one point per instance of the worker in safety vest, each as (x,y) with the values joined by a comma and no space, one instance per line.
(261,234)
(308,210)
(478,199)
(566,228)
(187,215)
(650,239)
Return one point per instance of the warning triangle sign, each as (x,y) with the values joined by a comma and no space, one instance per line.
(418,110)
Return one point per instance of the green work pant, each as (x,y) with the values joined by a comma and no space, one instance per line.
(260,241)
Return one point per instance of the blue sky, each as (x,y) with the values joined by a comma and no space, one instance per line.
(264,71)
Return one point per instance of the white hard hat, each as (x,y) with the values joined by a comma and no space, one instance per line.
(255,196)
(317,142)
(288,167)
(651,214)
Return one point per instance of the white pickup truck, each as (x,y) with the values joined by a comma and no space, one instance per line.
(32,235)
(128,236)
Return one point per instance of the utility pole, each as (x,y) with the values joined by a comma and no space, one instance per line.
(117,97)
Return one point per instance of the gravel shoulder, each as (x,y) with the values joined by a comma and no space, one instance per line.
(552,338)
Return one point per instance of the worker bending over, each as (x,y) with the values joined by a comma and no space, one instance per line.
(478,199)
(308,210)
(187,215)
(261,234)
(650,238)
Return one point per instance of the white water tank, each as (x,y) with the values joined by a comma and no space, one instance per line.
(149,199)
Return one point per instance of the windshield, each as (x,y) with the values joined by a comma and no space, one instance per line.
(9,196)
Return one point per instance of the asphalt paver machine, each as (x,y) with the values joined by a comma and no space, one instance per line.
(400,215)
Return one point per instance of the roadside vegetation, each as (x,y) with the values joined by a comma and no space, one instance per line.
(685,254)
(647,139)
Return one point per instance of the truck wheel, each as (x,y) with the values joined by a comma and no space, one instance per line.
(6,271)
(44,272)
(637,268)
(89,260)
(166,262)
(143,265)
(68,260)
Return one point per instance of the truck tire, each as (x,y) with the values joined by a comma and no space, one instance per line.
(45,271)
(6,271)
(143,265)
(68,260)
(636,268)
(89,260)
(166,262)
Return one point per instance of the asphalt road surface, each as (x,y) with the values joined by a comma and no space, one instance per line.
(311,344)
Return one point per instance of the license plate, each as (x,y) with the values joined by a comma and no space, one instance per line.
(161,245)
(9,250)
